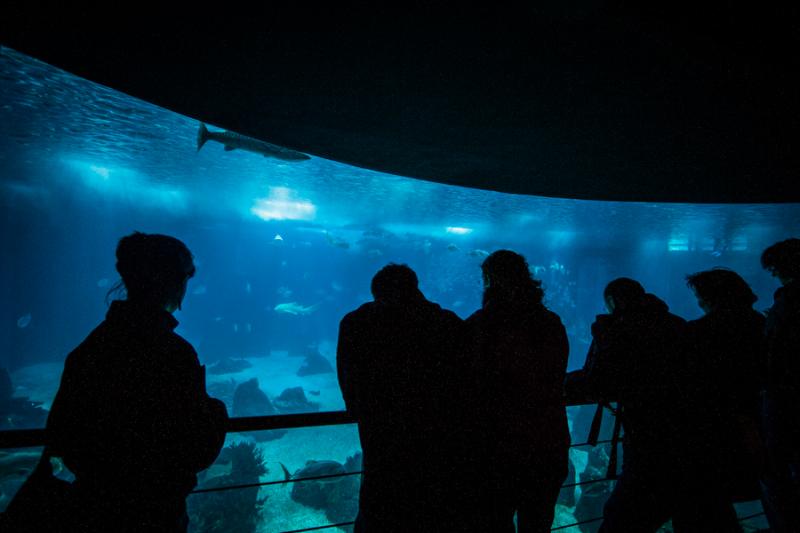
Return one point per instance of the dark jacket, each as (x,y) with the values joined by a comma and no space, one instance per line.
(725,372)
(782,405)
(521,361)
(638,359)
(727,364)
(398,371)
(131,418)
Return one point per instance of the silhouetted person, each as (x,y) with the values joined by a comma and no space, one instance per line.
(781,484)
(521,362)
(396,360)
(726,368)
(638,358)
(131,418)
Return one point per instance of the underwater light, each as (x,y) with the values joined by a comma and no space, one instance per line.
(280,206)
(679,244)
(103,172)
(458,231)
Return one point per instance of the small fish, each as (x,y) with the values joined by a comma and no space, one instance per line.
(199,290)
(247,288)
(314,392)
(458,303)
(278,237)
(336,241)
(286,475)
(322,468)
(374,253)
(103,283)
(218,319)
(479,253)
(236,328)
(248,327)
(233,141)
(24,320)
(452,248)
(335,286)
(283,263)
(294,308)
(284,291)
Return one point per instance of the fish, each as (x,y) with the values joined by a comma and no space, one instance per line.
(336,241)
(24,320)
(452,248)
(200,290)
(335,286)
(103,283)
(278,237)
(294,308)
(286,475)
(234,141)
(314,392)
(321,468)
(248,288)
(284,291)
(479,253)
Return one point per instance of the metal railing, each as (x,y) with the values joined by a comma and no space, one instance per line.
(25,438)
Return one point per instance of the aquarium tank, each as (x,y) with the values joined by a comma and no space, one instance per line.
(285,245)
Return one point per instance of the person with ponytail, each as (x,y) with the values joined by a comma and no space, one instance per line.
(132,419)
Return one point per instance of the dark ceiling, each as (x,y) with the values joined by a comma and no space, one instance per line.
(581,99)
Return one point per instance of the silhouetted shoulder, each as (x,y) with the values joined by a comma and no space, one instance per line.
(446,314)
(475,318)
(550,318)
(183,351)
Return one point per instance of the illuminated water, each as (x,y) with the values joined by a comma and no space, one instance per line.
(82,165)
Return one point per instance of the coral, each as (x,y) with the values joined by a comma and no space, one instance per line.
(234,510)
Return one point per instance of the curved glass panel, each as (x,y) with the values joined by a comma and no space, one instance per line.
(285,247)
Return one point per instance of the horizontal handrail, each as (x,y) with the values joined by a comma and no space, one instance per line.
(577,523)
(559,528)
(276,482)
(27,438)
(343,474)
(317,528)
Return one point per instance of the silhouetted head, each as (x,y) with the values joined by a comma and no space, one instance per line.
(782,260)
(507,278)
(395,283)
(721,288)
(622,294)
(154,269)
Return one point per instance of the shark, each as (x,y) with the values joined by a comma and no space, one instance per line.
(294,308)
(236,141)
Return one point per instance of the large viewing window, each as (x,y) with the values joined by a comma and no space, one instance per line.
(284,248)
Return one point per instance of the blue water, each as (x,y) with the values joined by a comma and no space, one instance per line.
(82,165)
